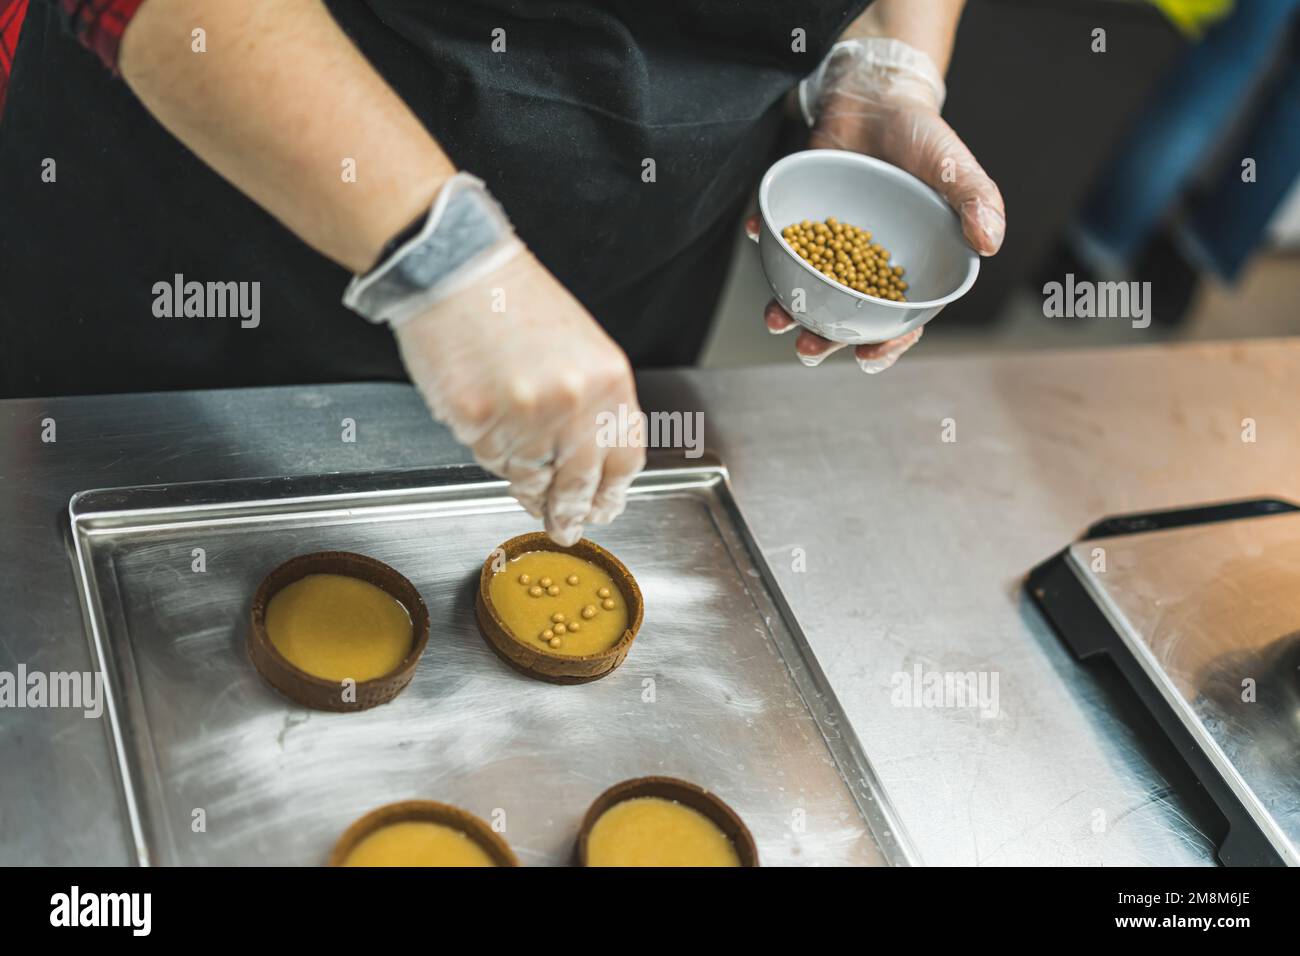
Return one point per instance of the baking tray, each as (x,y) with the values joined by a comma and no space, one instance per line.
(216,768)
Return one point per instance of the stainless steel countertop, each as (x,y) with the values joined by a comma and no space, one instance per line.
(913,551)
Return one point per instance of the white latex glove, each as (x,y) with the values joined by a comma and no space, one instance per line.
(522,387)
(882,97)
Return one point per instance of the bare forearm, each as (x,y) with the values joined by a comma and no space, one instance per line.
(928,25)
(277,105)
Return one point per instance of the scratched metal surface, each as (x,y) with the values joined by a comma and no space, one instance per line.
(1203,608)
(915,552)
(719,687)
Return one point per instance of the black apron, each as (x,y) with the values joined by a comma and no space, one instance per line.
(559,126)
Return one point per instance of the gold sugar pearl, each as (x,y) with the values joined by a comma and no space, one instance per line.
(589,611)
(535,591)
(524,579)
(561,629)
(557,617)
(847,255)
(553,590)
(603,592)
(555,642)
(572,579)
(607,604)
(547,634)
(545,582)
(573,627)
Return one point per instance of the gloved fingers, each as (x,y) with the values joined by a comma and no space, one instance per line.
(777,319)
(533,452)
(913,136)
(811,349)
(569,498)
(533,504)
(877,357)
(473,413)
(621,467)
(983,223)
(584,442)
(516,436)
(530,471)
(528,478)
(936,154)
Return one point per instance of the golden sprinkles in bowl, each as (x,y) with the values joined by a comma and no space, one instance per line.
(847,255)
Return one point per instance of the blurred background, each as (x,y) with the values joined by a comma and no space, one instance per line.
(1173,157)
(1121,163)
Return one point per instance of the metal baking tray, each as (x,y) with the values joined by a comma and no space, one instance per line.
(216,768)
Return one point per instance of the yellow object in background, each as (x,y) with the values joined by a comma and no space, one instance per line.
(1193,16)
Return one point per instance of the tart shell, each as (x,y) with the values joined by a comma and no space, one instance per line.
(683,792)
(317,692)
(428,811)
(538,661)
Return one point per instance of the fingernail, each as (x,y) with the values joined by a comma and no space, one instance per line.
(566,535)
(897,348)
(812,361)
(606,512)
(992,224)
(877,365)
(564,527)
(774,311)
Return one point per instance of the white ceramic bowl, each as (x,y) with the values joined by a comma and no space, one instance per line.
(903,214)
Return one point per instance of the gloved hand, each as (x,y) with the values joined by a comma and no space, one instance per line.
(522,386)
(882,97)
(811,349)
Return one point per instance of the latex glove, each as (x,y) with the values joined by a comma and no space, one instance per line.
(522,386)
(883,97)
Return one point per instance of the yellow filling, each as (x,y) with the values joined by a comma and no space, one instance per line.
(652,831)
(339,627)
(418,843)
(559,603)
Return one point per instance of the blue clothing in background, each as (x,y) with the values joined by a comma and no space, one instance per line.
(1195,106)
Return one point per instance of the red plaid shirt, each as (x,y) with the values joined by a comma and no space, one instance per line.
(97,24)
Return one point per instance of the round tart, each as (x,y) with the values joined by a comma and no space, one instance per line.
(565,615)
(662,821)
(421,833)
(337,631)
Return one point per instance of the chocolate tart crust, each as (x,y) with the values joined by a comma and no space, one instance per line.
(428,811)
(538,661)
(317,692)
(682,791)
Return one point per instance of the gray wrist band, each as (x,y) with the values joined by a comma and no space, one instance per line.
(466,236)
